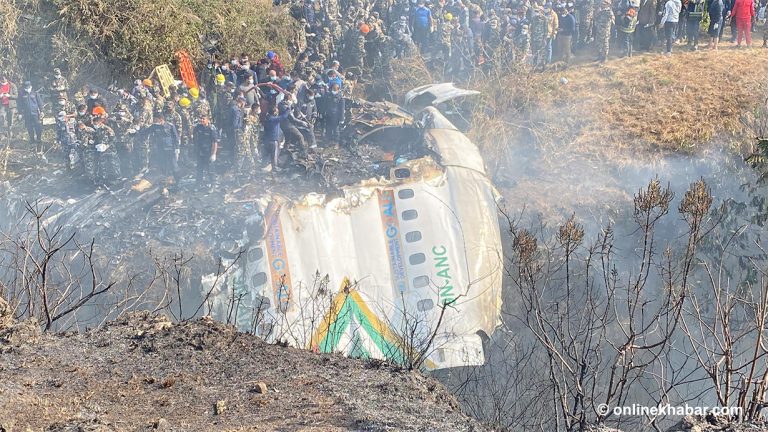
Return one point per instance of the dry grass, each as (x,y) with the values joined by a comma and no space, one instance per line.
(642,104)
(9,15)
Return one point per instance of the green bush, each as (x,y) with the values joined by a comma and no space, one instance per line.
(128,38)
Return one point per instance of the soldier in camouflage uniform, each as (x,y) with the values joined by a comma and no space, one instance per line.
(185,133)
(522,44)
(121,122)
(318,65)
(332,10)
(444,33)
(604,19)
(144,119)
(382,65)
(354,48)
(81,95)
(325,46)
(59,83)
(539,36)
(492,38)
(300,37)
(459,48)
(173,117)
(586,9)
(102,165)
(248,153)
(200,107)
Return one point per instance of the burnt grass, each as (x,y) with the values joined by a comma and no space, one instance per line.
(143,373)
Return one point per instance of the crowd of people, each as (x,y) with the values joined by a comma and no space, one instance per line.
(464,35)
(245,112)
(242,114)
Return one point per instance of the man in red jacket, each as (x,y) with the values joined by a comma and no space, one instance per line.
(743,11)
(9,93)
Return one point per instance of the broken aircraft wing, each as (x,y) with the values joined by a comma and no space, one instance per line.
(435,94)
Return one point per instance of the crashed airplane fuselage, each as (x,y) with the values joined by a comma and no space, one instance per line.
(405,267)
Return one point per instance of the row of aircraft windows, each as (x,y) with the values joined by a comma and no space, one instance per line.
(416,258)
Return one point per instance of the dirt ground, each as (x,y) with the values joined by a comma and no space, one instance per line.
(142,373)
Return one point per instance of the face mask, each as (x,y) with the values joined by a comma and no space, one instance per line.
(82,113)
(57,76)
(250,82)
(225,68)
(273,78)
(94,96)
(29,89)
(286,78)
(334,92)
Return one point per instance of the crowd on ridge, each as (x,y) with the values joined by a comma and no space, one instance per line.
(246,111)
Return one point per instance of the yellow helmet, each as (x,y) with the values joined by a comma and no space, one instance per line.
(448,16)
(185,102)
(194,92)
(220,78)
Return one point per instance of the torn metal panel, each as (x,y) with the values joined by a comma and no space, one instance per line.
(352,273)
(435,94)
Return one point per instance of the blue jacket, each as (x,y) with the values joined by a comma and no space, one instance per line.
(163,137)
(236,117)
(421,17)
(30,104)
(272,126)
(336,80)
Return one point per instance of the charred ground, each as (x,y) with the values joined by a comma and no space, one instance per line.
(143,373)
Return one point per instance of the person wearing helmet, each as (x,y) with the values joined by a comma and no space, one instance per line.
(274,63)
(31,109)
(220,80)
(98,111)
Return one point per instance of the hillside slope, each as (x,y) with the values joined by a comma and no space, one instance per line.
(142,373)
(593,133)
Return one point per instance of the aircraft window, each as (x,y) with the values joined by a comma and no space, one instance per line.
(410,214)
(425,305)
(259,279)
(405,193)
(255,254)
(413,236)
(402,173)
(417,258)
(420,281)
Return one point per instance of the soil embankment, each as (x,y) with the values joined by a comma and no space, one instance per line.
(143,373)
